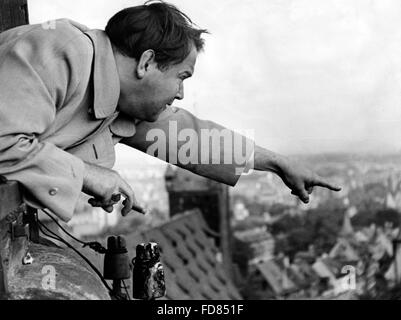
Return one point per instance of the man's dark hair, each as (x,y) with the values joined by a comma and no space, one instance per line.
(158,26)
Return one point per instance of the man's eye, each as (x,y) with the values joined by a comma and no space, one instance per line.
(184,76)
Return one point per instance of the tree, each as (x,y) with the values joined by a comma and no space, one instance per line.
(319,227)
(387,215)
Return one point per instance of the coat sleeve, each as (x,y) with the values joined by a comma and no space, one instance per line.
(38,72)
(200,146)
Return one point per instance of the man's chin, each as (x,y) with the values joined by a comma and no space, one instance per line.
(153,118)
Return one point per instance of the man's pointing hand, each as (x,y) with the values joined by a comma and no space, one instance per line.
(296,176)
(302,180)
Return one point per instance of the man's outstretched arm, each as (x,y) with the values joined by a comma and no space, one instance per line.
(297,177)
(200,146)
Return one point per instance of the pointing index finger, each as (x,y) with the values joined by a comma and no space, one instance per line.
(129,200)
(326,184)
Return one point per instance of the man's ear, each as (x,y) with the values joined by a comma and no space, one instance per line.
(146,60)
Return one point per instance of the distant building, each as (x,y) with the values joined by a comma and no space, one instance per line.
(94,222)
(259,243)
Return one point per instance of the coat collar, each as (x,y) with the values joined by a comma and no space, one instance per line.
(106,81)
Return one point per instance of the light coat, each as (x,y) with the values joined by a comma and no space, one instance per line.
(59,91)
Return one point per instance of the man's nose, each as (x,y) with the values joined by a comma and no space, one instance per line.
(180,93)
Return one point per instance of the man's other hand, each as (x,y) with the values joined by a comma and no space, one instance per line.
(104,185)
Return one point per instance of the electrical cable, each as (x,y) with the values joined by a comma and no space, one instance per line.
(126,290)
(96,246)
(57,237)
(48,235)
(58,224)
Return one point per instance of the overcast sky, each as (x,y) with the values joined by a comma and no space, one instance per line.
(306,75)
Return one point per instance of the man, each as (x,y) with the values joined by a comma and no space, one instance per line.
(69,94)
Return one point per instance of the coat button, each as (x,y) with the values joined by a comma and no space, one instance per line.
(53,191)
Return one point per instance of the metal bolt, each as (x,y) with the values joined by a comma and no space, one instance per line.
(27,259)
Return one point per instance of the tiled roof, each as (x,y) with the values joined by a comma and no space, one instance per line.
(276,277)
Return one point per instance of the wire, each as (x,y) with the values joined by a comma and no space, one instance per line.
(69,234)
(57,237)
(126,290)
(48,235)
(96,246)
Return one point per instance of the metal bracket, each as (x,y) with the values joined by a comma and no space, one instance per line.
(31,219)
(19,231)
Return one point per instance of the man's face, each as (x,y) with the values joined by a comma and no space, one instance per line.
(147,97)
